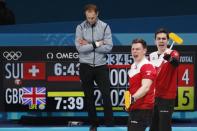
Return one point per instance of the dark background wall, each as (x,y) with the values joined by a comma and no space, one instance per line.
(39,11)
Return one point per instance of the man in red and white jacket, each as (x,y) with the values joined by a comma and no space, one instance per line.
(141,79)
(166,62)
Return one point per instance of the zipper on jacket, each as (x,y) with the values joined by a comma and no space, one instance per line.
(94,48)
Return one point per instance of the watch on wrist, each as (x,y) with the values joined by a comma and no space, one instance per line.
(132,100)
(94,45)
(167,57)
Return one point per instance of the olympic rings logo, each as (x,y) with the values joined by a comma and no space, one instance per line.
(12,55)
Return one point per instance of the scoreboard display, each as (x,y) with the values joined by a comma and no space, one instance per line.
(47,79)
(185,92)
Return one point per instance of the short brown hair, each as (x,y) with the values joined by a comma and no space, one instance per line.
(90,7)
(139,40)
(162,30)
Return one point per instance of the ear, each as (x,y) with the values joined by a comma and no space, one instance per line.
(97,14)
(145,50)
(155,41)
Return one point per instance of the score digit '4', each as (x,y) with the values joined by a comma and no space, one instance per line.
(186,75)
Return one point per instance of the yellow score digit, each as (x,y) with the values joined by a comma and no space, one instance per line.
(185,98)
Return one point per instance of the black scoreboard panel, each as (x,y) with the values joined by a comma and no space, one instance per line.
(47,79)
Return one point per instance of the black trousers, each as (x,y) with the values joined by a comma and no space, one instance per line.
(139,120)
(162,114)
(100,75)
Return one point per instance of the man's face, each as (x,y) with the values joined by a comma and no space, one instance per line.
(138,52)
(91,16)
(161,41)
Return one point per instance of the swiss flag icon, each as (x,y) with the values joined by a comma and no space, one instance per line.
(34,71)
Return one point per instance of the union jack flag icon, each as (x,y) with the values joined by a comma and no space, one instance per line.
(34,95)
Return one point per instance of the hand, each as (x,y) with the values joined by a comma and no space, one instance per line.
(167,54)
(99,43)
(168,51)
(82,41)
(133,100)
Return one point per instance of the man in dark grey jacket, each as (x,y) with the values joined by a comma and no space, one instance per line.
(93,41)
